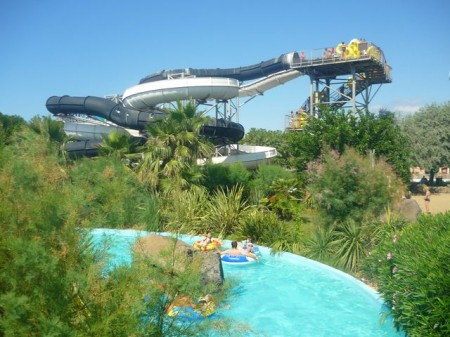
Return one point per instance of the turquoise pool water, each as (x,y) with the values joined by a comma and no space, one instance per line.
(287,295)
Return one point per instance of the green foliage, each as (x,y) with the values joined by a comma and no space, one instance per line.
(173,148)
(256,224)
(134,300)
(40,254)
(265,228)
(350,245)
(341,129)
(52,281)
(227,210)
(107,194)
(48,128)
(264,177)
(284,236)
(412,272)
(350,193)
(351,187)
(427,133)
(276,139)
(9,125)
(320,245)
(343,247)
(117,144)
(184,211)
(382,136)
(284,199)
(225,176)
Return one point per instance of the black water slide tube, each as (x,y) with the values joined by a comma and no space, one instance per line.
(219,131)
(100,107)
(242,74)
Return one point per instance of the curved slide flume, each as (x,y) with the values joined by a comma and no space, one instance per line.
(242,74)
(219,131)
(102,107)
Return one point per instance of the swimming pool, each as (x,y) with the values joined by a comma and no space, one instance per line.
(287,295)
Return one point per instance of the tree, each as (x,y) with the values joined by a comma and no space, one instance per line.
(173,147)
(107,193)
(49,128)
(428,134)
(349,193)
(41,257)
(366,132)
(351,187)
(117,145)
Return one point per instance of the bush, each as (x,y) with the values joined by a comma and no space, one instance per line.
(185,211)
(107,194)
(264,177)
(265,228)
(412,271)
(227,210)
(256,224)
(224,176)
(352,187)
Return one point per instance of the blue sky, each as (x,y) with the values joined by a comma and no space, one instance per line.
(97,48)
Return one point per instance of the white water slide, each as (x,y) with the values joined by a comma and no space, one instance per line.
(211,84)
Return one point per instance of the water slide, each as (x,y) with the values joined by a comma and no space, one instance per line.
(141,104)
(124,119)
(101,107)
(242,74)
(138,106)
(207,84)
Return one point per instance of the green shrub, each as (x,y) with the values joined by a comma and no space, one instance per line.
(412,271)
(41,257)
(185,211)
(319,246)
(225,176)
(256,224)
(265,228)
(227,210)
(264,177)
(352,187)
(107,194)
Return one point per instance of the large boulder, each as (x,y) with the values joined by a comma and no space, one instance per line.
(408,209)
(163,250)
(212,271)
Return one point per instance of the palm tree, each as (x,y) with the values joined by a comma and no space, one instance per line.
(49,128)
(116,144)
(173,148)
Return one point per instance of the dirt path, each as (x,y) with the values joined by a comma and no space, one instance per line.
(439,203)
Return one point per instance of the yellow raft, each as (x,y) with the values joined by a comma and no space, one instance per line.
(210,246)
(192,314)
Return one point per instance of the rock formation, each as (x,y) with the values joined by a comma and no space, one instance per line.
(163,250)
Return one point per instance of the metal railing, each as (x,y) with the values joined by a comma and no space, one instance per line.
(340,53)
